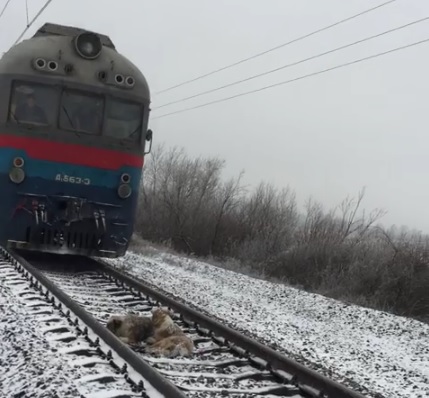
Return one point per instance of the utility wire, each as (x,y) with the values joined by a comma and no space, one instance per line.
(295,79)
(4,8)
(32,21)
(275,48)
(26,11)
(293,63)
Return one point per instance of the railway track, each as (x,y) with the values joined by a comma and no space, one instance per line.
(225,364)
(69,337)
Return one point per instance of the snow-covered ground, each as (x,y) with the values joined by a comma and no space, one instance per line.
(29,366)
(33,361)
(387,354)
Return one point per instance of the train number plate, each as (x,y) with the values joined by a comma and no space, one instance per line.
(72,180)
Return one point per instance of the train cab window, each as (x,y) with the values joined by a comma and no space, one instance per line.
(123,120)
(81,112)
(33,104)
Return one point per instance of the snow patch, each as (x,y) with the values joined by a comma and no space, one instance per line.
(384,353)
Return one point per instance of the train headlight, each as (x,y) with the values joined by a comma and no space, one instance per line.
(125,178)
(88,45)
(17,175)
(124,191)
(18,162)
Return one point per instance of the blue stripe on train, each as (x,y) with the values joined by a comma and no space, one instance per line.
(50,170)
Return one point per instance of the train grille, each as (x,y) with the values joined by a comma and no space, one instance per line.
(73,239)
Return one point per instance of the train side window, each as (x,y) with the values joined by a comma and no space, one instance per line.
(123,120)
(33,104)
(81,112)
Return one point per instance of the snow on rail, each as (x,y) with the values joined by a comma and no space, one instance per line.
(39,354)
(387,354)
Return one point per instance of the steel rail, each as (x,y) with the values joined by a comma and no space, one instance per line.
(306,379)
(160,383)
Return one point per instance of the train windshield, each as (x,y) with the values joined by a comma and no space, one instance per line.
(123,120)
(33,104)
(81,112)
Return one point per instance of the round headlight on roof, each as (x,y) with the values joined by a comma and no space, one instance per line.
(88,45)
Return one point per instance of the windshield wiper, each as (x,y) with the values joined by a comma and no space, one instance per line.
(131,135)
(70,120)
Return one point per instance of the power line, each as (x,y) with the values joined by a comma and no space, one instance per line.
(26,12)
(293,63)
(32,21)
(4,8)
(295,79)
(275,48)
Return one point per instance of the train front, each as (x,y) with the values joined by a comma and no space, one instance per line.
(73,130)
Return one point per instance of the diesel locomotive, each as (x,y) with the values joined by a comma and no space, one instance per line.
(73,135)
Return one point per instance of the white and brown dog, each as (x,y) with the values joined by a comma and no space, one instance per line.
(131,329)
(168,339)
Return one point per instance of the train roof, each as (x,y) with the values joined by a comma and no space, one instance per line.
(51,29)
(55,43)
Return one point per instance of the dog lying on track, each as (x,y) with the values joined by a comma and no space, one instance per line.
(131,329)
(168,339)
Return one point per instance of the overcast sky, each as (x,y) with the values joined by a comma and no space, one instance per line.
(325,136)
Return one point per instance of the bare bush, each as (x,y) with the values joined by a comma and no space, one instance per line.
(267,220)
(184,200)
(341,252)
